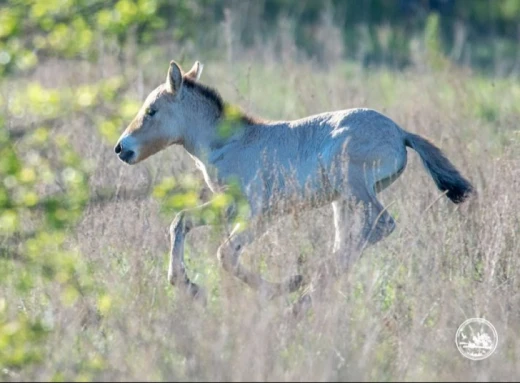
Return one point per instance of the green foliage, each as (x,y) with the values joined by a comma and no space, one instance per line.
(68,28)
(231,122)
(45,181)
(183,193)
(34,254)
(20,339)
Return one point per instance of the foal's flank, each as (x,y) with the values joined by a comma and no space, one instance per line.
(343,158)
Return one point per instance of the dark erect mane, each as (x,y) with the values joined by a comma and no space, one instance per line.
(214,96)
(207,92)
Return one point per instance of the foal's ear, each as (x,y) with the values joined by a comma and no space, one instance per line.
(195,71)
(174,78)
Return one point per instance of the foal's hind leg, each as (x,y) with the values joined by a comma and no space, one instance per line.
(228,255)
(358,223)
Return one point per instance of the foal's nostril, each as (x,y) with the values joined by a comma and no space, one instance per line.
(126,155)
(118,148)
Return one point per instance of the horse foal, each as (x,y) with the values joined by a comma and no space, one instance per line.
(344,158)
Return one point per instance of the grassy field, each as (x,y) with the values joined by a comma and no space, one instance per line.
(394,317)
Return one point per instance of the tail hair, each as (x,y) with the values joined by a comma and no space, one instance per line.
(446,176)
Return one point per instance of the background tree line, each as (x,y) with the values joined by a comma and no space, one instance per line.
(482,33)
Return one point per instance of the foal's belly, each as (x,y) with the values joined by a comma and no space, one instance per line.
(284,190)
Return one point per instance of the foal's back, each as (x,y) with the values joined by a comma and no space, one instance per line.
(313,155)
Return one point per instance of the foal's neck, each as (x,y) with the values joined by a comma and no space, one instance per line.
(211,132)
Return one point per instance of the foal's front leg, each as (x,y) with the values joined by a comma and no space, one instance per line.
(229,254)
(183,223)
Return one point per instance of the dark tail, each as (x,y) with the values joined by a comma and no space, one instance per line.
(446,177)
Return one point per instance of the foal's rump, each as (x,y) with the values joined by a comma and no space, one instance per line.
(369,150)
(373,148)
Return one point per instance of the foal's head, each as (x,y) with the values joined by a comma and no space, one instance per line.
(162,119)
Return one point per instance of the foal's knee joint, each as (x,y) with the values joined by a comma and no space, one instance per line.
(182,222)
(179,218)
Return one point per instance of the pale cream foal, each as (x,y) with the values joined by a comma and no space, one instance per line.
(343,157)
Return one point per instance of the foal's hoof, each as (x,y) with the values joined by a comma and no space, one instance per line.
(294,283)
(198,293)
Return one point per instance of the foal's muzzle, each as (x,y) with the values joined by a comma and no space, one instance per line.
(124,154)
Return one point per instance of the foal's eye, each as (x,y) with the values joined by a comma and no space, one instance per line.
(150,112)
